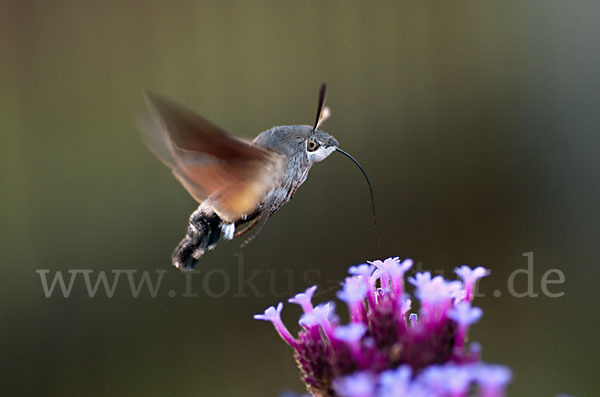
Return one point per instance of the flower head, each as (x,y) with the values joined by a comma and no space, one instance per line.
(385,350)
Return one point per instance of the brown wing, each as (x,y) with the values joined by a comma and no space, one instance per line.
(210,163)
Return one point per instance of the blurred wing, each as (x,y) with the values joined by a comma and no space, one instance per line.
(209,162)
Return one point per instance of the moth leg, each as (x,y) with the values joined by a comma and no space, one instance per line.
(247,226)
(257,232)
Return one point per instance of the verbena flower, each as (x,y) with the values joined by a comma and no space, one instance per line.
(386,350)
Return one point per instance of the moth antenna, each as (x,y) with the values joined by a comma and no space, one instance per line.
(325,114)
(322,92)
(372,197)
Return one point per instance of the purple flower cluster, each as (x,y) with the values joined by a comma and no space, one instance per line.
(385,349)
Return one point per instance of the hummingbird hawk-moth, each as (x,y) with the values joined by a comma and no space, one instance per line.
(239,184)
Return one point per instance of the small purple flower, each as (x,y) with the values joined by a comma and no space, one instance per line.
(405,307)
(273,315)
(362,384)
(353,293)
(436,296)
(304,299)
(394,269)
(469,277)
(354,290)
(361,270)
(350,333)
(464,314)
(420,279)
(437,290)
(395,382)
(323,315)
(451,380)
(325,312)
(365,273)
(492,379)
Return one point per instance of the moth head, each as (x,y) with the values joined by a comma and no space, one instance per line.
(319,145)
(306,141)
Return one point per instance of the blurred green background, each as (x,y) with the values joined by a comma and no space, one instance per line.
(478,123)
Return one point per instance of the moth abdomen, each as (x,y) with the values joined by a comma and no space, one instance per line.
(202,235)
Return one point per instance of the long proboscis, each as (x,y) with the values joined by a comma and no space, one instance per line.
(372,197)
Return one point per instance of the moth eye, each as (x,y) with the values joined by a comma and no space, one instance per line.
(312,145)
